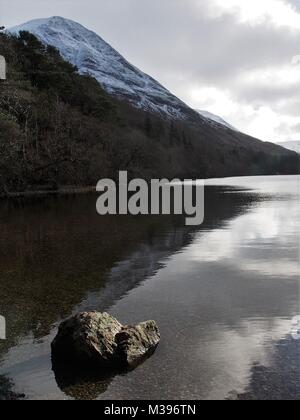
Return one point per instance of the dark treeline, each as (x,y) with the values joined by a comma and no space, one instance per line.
(61,128)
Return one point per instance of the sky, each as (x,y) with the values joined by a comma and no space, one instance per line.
(239,59)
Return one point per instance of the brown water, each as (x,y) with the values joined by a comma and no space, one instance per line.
(223,294)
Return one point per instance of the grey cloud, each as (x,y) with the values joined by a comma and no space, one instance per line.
(175,36)
(260,94)
(291,107)
(296,127)
(294,3)
(287,130)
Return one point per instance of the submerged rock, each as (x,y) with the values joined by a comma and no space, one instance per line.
(98,338)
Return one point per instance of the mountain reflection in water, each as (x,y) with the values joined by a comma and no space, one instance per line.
(223,293)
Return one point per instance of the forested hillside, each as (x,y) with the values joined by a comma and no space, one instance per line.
(61,128)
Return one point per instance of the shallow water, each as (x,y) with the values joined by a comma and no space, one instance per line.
(223,294)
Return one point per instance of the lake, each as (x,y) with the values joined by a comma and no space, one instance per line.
(223,294)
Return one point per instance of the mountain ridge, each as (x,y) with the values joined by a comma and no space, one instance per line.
(294,146)
(94,56)
(215,119)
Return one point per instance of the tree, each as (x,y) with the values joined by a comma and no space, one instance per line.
(148,126)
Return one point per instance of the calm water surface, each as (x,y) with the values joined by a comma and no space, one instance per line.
(223,294)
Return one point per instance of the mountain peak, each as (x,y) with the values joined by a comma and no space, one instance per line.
(52,20)
(92,55)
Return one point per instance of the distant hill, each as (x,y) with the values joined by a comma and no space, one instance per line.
(291,145)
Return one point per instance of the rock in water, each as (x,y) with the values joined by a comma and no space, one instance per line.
(136,343)
(87,337)
(98,338)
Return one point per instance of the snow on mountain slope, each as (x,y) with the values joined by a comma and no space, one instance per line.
(92,55)
(291,145)
(215,119)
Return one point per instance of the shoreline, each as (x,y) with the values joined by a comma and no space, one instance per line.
(44,193)
(92,189)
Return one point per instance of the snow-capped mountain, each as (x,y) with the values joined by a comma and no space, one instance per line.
(215,119)
(291,145)
(92,55)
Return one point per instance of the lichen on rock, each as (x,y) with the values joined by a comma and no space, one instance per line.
(136,343)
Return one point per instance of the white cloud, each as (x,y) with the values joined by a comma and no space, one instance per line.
(213,99)
(257,12)
(296,60)
(258,103)
(262,122)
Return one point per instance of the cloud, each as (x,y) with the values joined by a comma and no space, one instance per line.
(287,130)
(295,4)
(255,12)
(296,60)
(236,58)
